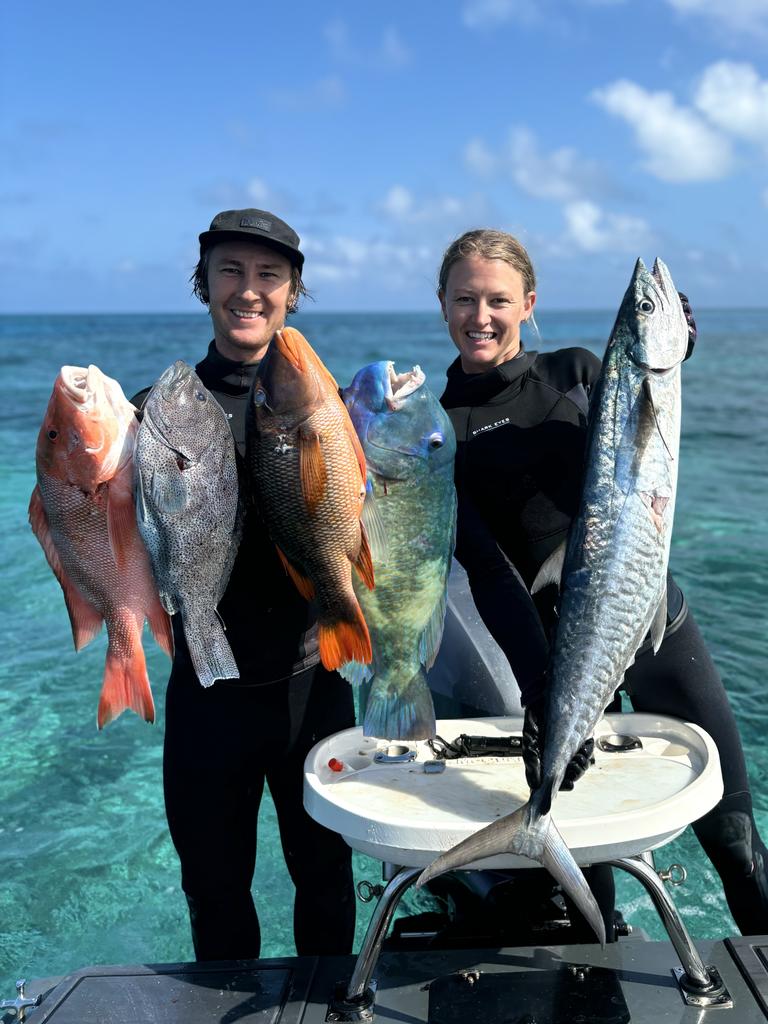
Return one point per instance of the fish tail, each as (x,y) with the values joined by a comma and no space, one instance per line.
(343,640)
(210,652)
(125,685)
(400,713)
(525,833)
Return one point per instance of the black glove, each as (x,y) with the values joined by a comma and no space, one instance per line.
(691,324)
(533,743)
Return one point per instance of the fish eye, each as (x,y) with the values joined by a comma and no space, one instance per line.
(435,441)
(646,306)
(259,397)
(53,434)
(200,395)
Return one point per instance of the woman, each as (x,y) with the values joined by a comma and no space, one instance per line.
(520,420)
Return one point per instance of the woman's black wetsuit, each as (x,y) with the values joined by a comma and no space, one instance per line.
(224,742)
(521,432)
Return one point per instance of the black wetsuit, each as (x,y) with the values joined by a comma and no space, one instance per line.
(223,742)
(521,432)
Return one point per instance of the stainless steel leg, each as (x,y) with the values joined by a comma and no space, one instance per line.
(368,956)
(693,965)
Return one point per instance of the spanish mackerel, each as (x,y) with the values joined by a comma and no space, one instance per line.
(614,566)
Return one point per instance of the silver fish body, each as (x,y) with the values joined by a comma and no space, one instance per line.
(409,446)
(188,510)
(613,578)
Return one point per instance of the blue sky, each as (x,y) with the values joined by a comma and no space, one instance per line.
(595,130)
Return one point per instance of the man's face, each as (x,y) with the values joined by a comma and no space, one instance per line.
(249,286)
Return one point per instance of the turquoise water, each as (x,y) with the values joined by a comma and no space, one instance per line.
(87,871)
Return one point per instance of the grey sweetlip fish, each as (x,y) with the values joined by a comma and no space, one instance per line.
(187,508)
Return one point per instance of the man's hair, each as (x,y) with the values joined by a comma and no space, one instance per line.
(490,245)
(199,281)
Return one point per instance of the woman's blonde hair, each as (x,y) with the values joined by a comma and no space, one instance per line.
(490,245)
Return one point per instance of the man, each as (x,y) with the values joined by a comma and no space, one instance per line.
(224,742)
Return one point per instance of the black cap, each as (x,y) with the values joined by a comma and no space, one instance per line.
(256,226)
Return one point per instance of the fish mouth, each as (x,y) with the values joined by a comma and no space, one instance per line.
(81,385)
(399,385)
(174,379)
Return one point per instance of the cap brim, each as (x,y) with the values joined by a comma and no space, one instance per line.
(210,238)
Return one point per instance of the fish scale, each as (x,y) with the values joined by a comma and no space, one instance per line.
(613,566)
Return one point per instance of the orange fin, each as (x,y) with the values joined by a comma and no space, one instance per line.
(364,561)
(341,642)
(304,586)
(84,618)
(312,470)
(121,525)
(125,685)
(160,624)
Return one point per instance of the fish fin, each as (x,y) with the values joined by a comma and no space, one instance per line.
(639,424)
(141,501)
(209,650)
(525,835)
(364,562)
(659,624)
(313,473)
(375,529)
(160,624)
(429,641)
(304,585)
(551,570)
(394,712)
(169,490)
(168,601)
(121,526)
(125,685)
(356,673)
(344,640)
(84,619)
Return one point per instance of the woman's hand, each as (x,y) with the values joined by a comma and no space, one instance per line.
(692,332)
(534,729)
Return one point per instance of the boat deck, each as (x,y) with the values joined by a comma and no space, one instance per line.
(631,980)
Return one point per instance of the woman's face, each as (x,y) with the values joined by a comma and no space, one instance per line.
(484,304)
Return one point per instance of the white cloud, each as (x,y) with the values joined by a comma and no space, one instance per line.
(562,174)
(319,95)
(389,53)
(258,192)
(677,143)
(557,175)
(400,205)
(479,158)
(750,16)
(487,13)
(735,98)
(398,202)
(592,230)
(345,258)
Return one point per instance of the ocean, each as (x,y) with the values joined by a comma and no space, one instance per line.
(87,870)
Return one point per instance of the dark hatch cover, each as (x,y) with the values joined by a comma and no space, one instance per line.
(569,995)
(192,996)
